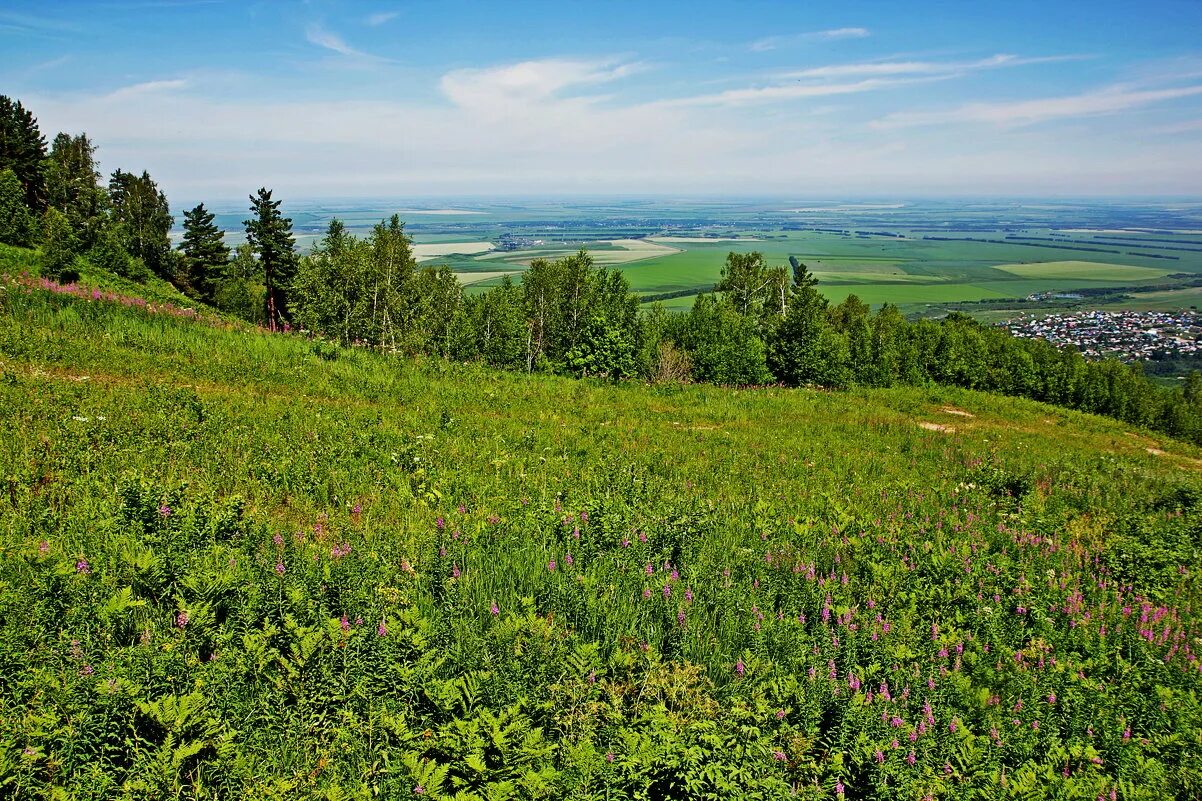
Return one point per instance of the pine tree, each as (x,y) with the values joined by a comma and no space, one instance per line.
(143,218)
(204,250)
(71,186)
(270,234)
(16,223)
(22,150)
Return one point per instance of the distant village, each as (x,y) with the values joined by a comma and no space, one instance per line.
(1126,335)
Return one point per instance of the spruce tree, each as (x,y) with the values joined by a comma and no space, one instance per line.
(143,218)
(204,250)
(22,150)
(16,223)
(270,234)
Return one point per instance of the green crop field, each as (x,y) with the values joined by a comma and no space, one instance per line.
(236,564)
(1083,270)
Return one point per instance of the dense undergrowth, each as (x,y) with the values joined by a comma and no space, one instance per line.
(235,564)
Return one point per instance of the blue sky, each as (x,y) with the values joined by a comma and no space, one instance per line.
(342,98)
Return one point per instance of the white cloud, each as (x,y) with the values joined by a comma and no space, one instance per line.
(774,42)
(1110,100)
(375,20)
(527,81)
(317,35)
(843,33)
(145,88)
(924,67)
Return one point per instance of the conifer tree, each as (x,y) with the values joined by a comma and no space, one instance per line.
(143,218)
(22,150)
(205,251)
(270,234)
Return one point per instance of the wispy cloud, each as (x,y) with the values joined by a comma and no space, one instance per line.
(1110,100)
(317,35)
(842,33)
(774,42)
(924,67)
(375,20)
(146,88)
(529,81)
(843,79)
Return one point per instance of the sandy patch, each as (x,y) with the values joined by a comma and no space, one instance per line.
(430,250)
(687,239)
(440,211)
(467,279)
(937,427)
(955,411)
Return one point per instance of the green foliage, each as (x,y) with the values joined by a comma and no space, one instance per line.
(16,222)
(142,219)
(269,233)
(72,186)
(205,252)
(22,150)
(465,583)
(724,346)
(60,246)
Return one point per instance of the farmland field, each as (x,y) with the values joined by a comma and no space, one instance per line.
(916,254)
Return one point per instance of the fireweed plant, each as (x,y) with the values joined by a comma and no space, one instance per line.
(235,564)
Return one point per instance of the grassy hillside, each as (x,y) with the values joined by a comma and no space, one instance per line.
(241,565)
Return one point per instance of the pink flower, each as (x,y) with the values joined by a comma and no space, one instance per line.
(43,547)
(165,510)
(181,619)
(839,788)
(551,566)
(780,714)
(82,566)
(494,610)
(740,668)
(779,756)
(344,624)
(381,629)
(279,568)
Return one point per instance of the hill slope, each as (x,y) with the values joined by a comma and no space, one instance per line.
(243,564)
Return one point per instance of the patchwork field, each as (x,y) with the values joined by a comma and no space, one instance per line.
(1087,270)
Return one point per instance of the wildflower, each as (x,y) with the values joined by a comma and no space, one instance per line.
(642,536)
(440,524)
(779,756)
(584,517)
(609,756)
(780,714)
(43,547)
(455,570)
(382,630)
(568,560)
(646,593)
(181,619)
(649,570)
(688,594)
(344,624)
(356,509)
(165,511)
(551,566)
(494,610)
(279,568)
(839,789)
(911,758)
(278,539)
(667,591)
(461,509)
(740,668)
(419,790)
(86,670)
(880,756)
(83,567)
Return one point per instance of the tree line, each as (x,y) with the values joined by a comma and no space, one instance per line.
(760,324)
